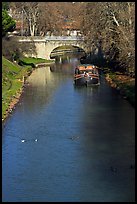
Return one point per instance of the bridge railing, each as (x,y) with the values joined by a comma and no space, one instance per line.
(30,38)
(50,38)
(61,38)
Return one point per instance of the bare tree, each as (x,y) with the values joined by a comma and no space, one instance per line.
(112,25)
(50,17)
(30,14)
(41,17)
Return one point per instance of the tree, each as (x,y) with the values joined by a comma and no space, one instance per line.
(8,24)
(51,18)
(5,5)
(14,50)
(41,17)
(112,26)
(29,12)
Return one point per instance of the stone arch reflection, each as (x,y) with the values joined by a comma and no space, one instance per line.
(60,51)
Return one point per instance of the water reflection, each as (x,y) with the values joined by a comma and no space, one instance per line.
(66,64)
(81,132)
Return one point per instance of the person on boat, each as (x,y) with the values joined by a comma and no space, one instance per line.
(86,74)
(77,70)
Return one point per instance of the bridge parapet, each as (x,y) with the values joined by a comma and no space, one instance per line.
(64,38)
(50,38)
(45,45)
(31,39)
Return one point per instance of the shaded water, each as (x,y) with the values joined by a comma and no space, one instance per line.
(86,142)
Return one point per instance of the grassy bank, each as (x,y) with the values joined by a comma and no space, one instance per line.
(13,80)
(124,84)
(35,60)
(31,61)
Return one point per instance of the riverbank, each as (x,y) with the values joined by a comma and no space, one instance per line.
(13,81)
(124,84)
(12,104)
(44,64)
(13,78)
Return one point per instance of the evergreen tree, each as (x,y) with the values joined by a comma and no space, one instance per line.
(8,24)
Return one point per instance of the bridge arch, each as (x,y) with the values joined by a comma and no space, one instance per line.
(61,50)
(45,45)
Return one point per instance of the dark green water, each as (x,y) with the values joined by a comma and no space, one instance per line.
(83,135)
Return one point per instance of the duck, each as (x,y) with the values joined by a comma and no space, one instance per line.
(74,137)
(22,140)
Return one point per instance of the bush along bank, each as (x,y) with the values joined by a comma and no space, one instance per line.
(13,82)
(124,84)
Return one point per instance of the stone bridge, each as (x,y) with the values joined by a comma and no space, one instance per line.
(45,45)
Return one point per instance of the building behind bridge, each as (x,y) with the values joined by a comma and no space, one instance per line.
(70,28)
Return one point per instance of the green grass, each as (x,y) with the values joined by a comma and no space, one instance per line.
(7,96)
(12,74)
(34,60)
(9,66)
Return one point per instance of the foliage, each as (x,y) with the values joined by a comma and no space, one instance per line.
(43,17)
(10,49)
(108,27)
(22,63)
(13,50)
(5,5)
(30,15)
(8,24)
(125,85)
(111,26)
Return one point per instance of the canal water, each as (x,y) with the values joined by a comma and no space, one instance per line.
(64,143)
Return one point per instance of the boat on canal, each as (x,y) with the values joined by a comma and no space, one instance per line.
(86,74)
